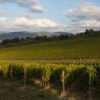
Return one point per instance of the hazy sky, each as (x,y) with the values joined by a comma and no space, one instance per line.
(49,15)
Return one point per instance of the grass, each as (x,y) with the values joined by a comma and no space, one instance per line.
(16,91)
(88,48)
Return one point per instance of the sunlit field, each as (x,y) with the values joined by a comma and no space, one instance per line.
(64,49)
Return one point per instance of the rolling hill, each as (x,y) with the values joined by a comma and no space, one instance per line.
(88,48)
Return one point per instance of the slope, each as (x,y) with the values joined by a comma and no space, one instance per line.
(88,48)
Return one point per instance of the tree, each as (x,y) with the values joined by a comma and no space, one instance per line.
(6,41)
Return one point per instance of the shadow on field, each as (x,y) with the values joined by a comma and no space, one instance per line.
(17,91)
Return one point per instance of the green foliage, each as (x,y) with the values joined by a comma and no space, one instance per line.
(18,70)
(4,69)
(49,72)
(73,71)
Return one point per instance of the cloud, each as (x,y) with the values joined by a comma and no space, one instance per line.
(86,10)
(82,25)
(33,24)
(87,24)
(5,24)
(85,16)
(32,5)
(28,15)
(2,13)
(3,20)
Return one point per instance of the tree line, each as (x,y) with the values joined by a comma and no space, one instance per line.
(38,39)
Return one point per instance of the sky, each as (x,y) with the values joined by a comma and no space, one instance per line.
(49,15)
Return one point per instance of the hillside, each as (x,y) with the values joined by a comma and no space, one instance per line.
(88,48)
(24,34)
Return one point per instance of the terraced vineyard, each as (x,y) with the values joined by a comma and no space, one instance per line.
(88,48)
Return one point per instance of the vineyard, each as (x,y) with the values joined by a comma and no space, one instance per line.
(87,76)
(87,48)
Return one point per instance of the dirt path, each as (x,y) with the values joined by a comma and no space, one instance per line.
(60,61)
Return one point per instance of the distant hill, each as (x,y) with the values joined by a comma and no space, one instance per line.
(11,35)
(24,34)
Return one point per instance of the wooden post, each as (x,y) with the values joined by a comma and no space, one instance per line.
(43,78)
(63,82)
(11,76)
(89,86)
(24,76)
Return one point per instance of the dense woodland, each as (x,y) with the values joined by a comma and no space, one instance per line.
(37,39)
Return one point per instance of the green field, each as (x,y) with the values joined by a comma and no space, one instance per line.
(88,48)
